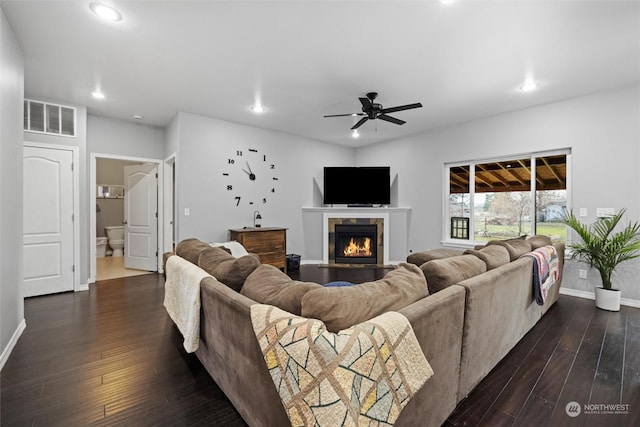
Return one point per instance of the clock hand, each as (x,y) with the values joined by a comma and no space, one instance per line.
(249,167)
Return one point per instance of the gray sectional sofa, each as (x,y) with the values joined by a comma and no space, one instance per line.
(464,323)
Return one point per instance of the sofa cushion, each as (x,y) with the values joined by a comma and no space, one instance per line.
(342,307)
(516,247)
(268,285)
(442,273)
(226,268)
(419,258)
(234,248)
(190,249)
(539,241)
(493,255)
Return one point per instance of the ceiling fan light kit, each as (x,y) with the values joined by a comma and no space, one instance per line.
(372,110)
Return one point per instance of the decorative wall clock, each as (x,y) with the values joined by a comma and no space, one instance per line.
(250,177)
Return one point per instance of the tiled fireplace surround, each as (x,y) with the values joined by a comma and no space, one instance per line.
(315,223)
(329,226)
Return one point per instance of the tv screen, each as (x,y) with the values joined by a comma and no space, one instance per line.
(367,185)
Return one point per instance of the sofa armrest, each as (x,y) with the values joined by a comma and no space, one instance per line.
(231,354)
(437,321)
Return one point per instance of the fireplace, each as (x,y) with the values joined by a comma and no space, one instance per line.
(356,244)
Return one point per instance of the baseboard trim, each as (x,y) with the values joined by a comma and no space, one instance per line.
(592,296)
(12,343)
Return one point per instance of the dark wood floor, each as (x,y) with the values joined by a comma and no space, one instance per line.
(111,356)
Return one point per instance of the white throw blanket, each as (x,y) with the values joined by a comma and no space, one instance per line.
(182,298)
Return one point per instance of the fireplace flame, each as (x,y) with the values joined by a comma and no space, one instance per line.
(354,249)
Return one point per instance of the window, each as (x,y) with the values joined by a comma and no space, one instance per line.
(49,118)
(508,198)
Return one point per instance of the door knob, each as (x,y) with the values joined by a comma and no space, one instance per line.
(124,222)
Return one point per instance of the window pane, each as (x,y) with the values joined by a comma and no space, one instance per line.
(26,115)
(502,200)
(53,119)
(36,112)
(68,127)
(459,202)
(503,215)
(551,196)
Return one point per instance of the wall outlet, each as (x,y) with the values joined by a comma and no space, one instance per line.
(187,212)
(605,212)
(582,273)
(583,212)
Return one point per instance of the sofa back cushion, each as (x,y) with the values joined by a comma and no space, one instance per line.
(342,307)
(190,249)
(442,273)
(516,247)
(493,255)
(419,258)
(539,241)
(226,268)
(268,285)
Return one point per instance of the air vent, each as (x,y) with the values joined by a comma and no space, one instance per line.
(48,118)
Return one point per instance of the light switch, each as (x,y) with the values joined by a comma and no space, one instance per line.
(187,212)
(583,212)
(604,212)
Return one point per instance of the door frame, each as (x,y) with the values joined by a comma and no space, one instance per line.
(93,200)
(169,219)
(75,154)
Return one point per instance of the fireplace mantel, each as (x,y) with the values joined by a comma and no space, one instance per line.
(396,230)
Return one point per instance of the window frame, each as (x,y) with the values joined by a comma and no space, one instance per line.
(447,240)
(45,115)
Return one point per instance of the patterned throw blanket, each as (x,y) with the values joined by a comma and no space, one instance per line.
(546,271)
(182,299)
(363,375)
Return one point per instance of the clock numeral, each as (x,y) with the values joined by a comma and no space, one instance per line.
(264,200)
(274,178)
(264,157)
(229,187)
(237,200)
(225,174)
(272,166)
(253,150)
(238,153)
(273,190)
(231,161)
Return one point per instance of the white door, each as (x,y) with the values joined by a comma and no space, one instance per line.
(48,221)
(141,217)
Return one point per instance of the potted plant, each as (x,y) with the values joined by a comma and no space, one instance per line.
(604,248)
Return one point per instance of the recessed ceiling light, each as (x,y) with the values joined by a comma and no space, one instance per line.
(258,108)
(138,117)
(446,1)
(355,134)
(105,11)
(529,86)
(97,95)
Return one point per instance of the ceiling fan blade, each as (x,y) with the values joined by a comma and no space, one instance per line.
(391,119)
(360,123)
(401,108)
(366,103)
(344,115)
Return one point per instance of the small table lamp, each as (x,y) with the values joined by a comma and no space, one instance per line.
(256,216)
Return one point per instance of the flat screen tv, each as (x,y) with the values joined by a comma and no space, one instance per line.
(358,186)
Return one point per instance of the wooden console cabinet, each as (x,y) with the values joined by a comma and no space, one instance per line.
(270,243)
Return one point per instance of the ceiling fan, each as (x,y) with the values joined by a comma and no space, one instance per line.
(372,111)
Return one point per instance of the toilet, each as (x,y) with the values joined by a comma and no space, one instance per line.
(116,239)
(101,246)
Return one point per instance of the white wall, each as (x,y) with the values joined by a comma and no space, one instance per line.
(602,131)
(11,136)
(122,138)
(204,146)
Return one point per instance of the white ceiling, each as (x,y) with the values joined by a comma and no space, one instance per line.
(304,59)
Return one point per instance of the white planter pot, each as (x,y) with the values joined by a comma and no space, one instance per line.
(608,299)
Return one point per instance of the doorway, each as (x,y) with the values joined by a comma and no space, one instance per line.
(118,211)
